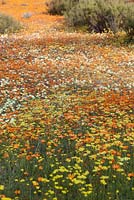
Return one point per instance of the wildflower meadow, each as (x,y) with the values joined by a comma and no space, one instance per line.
(66,111)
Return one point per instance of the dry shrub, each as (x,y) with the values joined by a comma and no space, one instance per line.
(8,24)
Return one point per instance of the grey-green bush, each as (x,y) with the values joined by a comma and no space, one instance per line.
(97,15)
(8,24)
(58,7)
(128,21)
(79,14)
(103,16)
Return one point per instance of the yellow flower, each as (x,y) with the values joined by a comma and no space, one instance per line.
(22,180)
(58,187)
(57,177)
(6,198)
(78,181)
(41,179)
(86,193)
(81,177)
(102,181)
(35,183)
(89,186)
(81,149)
(68,160)
(54,198)
(63,169)
(1,187)
(105,167)
(104,177)
(50,191)
(64,191)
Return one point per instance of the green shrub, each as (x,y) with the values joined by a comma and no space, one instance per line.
(55,7)
(106,15)
(80,13)
(8,24)
(97,15)
(103,16)
(60,6)
(128,21)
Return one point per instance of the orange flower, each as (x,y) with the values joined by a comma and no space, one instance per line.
(16,146)
(88,140)
(42,141)
(125,147)
(35,183)
(113,152)
(131,175)
(2,196)
(17,192)
(26,173)
(36,155)
(6,155)
(40,167)
(71,176)
(28,157)
(116,166)
(40,179)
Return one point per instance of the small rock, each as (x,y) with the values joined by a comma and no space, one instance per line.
(27,15)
